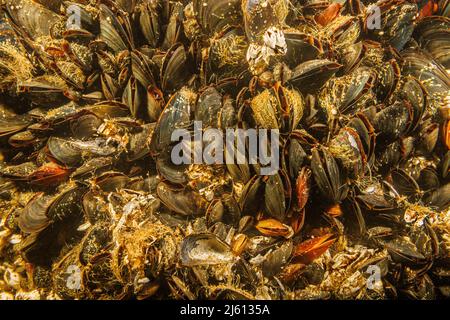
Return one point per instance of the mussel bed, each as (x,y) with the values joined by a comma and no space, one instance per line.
(93,205)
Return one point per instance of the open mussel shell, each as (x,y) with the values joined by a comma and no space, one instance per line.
(366,133)
(204,249)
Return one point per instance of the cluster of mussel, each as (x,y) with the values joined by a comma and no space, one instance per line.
(93,206)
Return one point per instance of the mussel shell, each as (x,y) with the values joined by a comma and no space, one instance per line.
(404,184)
(31,17)
(185,202)
(34,216)
(328,176)
(11,125)
(433,35)
(175,69)
(397,22)
(67,205)
(276,190)
(149,22)
(112,181)
(428,179)
(139,144)
(92,167)
(251,195)
(300,48)
(213,16)
(113,32)
(208,108)
(225,209)
(439,198)
(404,251)
(176,115)
(101,280)
(391,122)
(85,126)
(276,259)
(174,173)
(430,74)
(94,242)
(296,157)
(310,76)
(95,208)
(204,249)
